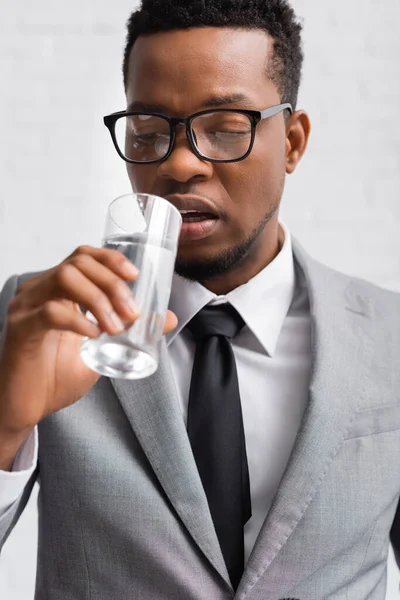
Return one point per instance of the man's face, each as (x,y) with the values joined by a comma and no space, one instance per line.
(180,72)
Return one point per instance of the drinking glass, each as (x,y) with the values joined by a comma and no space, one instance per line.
(145,228)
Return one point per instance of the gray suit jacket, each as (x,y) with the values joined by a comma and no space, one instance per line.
(122,512)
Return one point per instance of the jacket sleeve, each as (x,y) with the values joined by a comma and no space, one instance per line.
(12,483)
(11,513)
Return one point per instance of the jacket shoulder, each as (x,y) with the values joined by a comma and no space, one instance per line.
(385,302)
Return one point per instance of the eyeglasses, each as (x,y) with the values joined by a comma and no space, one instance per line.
(220,135)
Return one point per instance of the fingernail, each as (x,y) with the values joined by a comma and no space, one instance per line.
(133,307)
(129,269)
(116,321)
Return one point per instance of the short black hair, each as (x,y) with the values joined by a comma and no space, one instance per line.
(276,17)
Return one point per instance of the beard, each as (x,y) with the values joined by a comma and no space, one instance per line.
(225,262)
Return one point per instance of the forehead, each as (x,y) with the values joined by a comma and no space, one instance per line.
(181,69)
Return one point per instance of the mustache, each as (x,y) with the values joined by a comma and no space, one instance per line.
(184,190)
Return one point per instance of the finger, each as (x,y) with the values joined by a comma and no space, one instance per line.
(29,292)
(70,283)
(171,322)
(32,293)
(112,259)
(53,315)
(115,288)
(67,282)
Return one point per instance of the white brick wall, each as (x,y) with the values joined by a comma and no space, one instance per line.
(344,202)
(60,73)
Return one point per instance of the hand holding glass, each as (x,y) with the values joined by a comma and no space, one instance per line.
(146,230)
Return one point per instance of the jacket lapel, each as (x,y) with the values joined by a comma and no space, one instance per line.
(152,407)
(341,319)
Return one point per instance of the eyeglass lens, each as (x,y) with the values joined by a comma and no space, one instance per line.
(218,135)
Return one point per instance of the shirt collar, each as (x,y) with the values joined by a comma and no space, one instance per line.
(263,302)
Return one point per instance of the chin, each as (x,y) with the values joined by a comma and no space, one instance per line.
(199,253)
(205,266)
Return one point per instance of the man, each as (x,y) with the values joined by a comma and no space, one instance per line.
(261,461)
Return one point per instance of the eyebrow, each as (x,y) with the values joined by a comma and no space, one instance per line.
(213,102)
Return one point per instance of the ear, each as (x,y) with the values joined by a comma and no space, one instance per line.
(298,130)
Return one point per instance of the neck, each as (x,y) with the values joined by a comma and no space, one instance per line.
(264,251)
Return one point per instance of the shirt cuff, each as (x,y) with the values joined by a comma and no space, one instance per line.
(12,483)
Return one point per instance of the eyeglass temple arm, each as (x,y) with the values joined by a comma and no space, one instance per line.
(271,112)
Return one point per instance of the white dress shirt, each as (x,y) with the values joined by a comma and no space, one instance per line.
(273,358)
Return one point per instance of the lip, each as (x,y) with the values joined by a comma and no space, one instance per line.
(198,230)
(186,202)
(195,230)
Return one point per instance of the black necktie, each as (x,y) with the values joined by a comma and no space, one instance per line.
(215,429)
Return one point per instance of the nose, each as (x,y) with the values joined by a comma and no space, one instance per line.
(183,164)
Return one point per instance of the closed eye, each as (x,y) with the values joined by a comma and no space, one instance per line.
(227,137)
(148,138)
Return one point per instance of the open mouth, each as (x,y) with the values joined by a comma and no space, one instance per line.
(193,216)
(197,225)
(200,216)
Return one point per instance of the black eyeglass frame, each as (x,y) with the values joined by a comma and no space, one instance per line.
(255,117)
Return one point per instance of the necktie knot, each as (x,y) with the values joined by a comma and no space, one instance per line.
(217,320)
